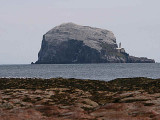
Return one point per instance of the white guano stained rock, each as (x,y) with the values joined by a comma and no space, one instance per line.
(89,35)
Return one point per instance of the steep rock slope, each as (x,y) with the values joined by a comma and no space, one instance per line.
(71,43)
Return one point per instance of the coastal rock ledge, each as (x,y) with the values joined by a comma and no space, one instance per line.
(71,43)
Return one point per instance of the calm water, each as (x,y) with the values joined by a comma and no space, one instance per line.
(84,71)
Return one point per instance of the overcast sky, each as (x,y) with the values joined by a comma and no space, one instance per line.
(135,23)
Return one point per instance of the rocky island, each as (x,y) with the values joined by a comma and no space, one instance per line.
(72,43)
(75,99)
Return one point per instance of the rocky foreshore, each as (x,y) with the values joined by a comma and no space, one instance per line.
(75,99)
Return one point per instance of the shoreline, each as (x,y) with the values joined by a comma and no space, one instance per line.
(69,99)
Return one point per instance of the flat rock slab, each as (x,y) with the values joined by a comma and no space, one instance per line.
(71,99)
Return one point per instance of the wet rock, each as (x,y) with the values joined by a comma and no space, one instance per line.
(71,99)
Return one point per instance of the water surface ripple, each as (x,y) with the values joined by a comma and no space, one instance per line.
(83,71)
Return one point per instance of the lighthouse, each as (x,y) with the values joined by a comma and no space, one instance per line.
(120,49)
(120,45)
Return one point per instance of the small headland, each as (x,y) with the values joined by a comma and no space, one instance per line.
(71,99)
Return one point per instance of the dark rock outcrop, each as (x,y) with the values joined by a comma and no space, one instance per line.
(71,43)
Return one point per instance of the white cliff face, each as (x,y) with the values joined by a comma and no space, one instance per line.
(71,43)
(92,37)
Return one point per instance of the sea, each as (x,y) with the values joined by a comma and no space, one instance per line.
(105,72)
